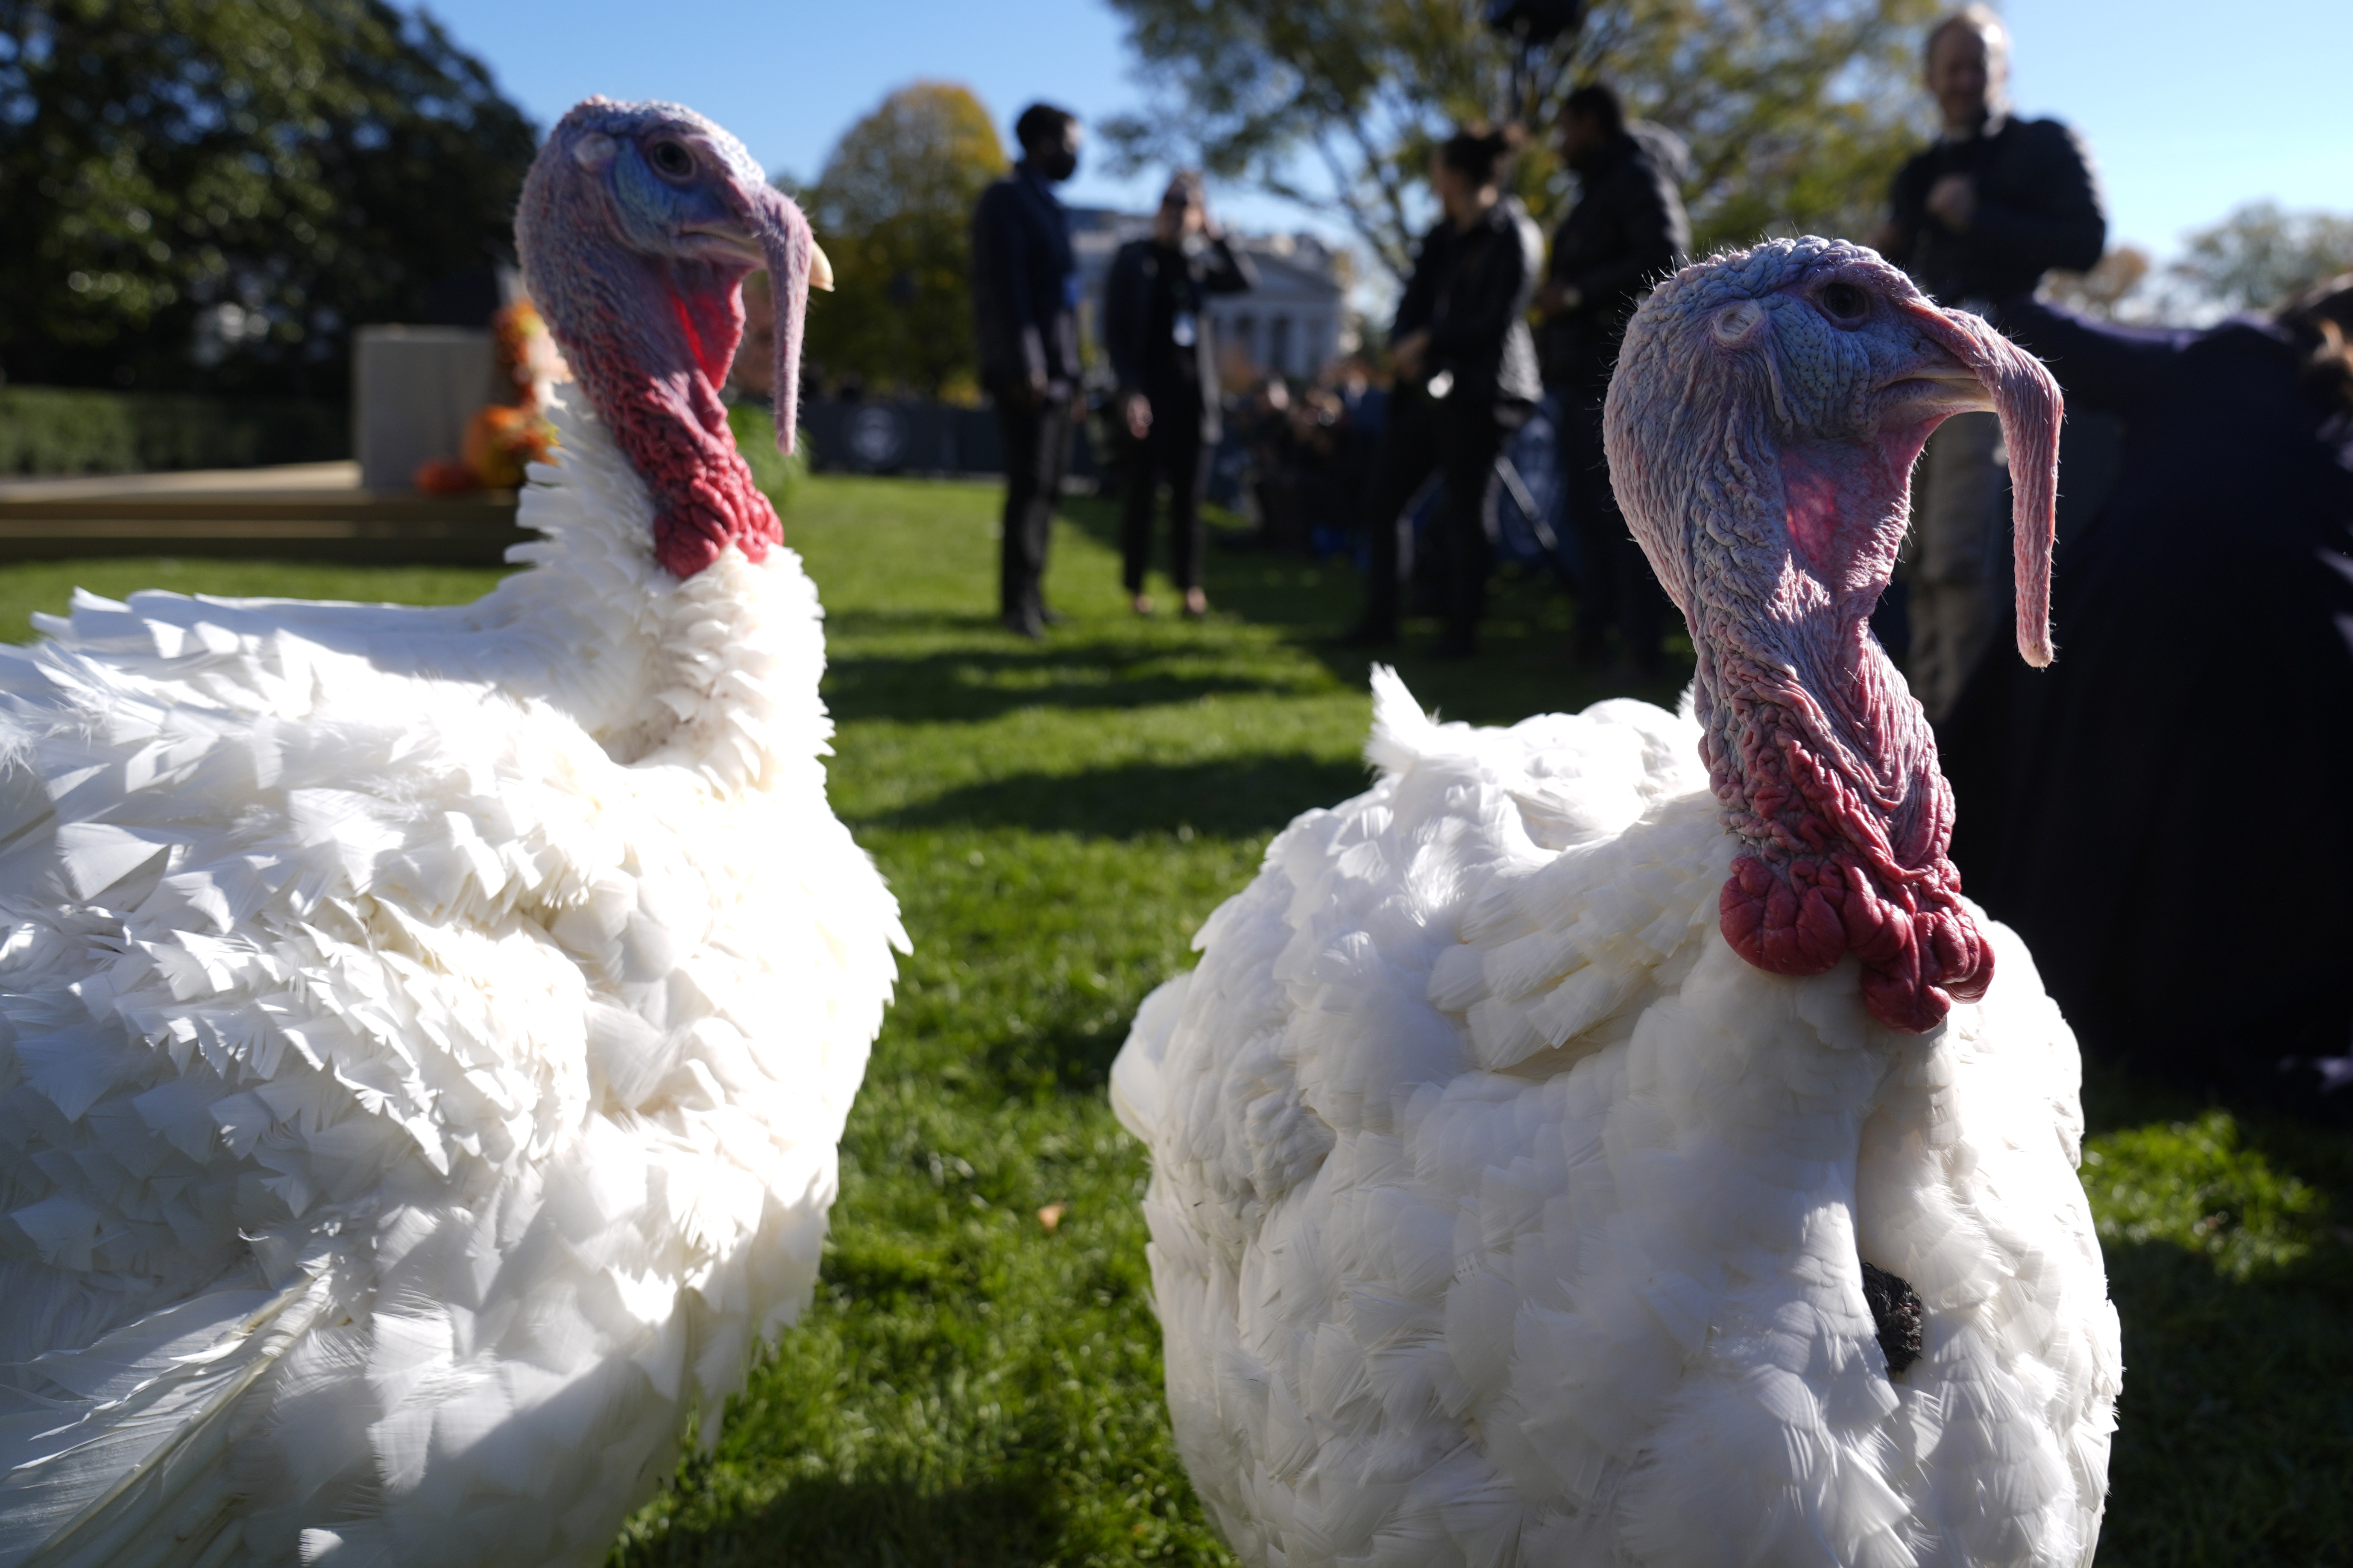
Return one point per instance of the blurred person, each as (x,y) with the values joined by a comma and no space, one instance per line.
(1465,365)
(1157,332)
(1978,217)
(1025,298)
(1273,440)
(2204,622)
(1627,231)
(1312,451)
(1322,485)
(1337,424)
(1363,430)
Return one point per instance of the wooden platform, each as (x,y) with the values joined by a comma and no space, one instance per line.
(314,511)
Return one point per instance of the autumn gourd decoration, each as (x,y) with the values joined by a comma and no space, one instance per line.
(501,438)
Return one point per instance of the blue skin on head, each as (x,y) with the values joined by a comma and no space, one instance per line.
(674,177)
(1761,428)
(637,226)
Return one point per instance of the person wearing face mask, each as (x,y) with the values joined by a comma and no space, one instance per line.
(1978,217)
(1156,332)
(1466,368)
(1025,298)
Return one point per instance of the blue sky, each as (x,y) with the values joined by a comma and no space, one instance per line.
(2190,109)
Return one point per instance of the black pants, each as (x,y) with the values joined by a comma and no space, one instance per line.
(1459,439)
(1037,438)
(1616,587)
(1172,450)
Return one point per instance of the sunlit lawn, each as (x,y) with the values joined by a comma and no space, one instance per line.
(974,1386)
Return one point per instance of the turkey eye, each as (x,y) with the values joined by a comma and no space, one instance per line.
(670,159)
(1844,301)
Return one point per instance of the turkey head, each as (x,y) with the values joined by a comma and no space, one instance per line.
(637,226)
(1766,411)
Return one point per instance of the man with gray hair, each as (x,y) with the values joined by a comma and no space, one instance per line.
(1976,218)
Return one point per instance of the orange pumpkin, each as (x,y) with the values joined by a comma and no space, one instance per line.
(501,439)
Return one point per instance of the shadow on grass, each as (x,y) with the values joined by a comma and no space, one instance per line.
(1096,663)
(2231,1261)
(1066,1056)
(1230,799)
(1522,667)
(967,685)
(1014,1519)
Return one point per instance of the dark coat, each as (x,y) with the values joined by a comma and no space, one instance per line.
(1150,284)
(2166,813)
(2038,207)
(1471,292)
(1627,231)
(1025,284)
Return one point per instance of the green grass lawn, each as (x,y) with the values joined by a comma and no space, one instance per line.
(977,1388)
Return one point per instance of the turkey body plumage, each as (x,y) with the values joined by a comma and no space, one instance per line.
(1502,1214)
(426,1036)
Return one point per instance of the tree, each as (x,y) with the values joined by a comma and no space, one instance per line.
(893,209)
(1797,112)
(214,192)
(2261,257)
(2112,288)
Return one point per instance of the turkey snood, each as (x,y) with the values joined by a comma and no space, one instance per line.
(634,246)
(1762,428)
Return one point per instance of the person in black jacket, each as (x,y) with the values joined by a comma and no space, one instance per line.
(1980,216)
(1627,231)
(1465,369)
(1156,331)
(2166,813)
(1024,297)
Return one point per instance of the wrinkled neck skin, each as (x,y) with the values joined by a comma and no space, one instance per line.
(1824,761)
(652,341)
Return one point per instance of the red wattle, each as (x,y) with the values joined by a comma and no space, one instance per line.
(1829,871)
(674,430)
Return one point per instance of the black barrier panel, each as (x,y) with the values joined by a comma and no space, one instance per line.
(907,436)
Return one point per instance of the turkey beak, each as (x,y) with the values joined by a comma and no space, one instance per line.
(2026,398)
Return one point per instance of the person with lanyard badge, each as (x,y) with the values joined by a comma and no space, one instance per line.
(1024,297)
(1465,369)
(1977,217)
(1156,332)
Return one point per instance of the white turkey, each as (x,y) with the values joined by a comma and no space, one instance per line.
(427,1031)
(1612,1140)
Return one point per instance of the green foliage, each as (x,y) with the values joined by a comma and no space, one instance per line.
(2262,256)
(754,425)
(2194,1185)
(1796,114)
(972,1387)
(2231,1264)
(893,210)
(49,430)
(271,172)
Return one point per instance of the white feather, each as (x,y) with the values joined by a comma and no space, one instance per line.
(1502,1215)
(424,1039)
